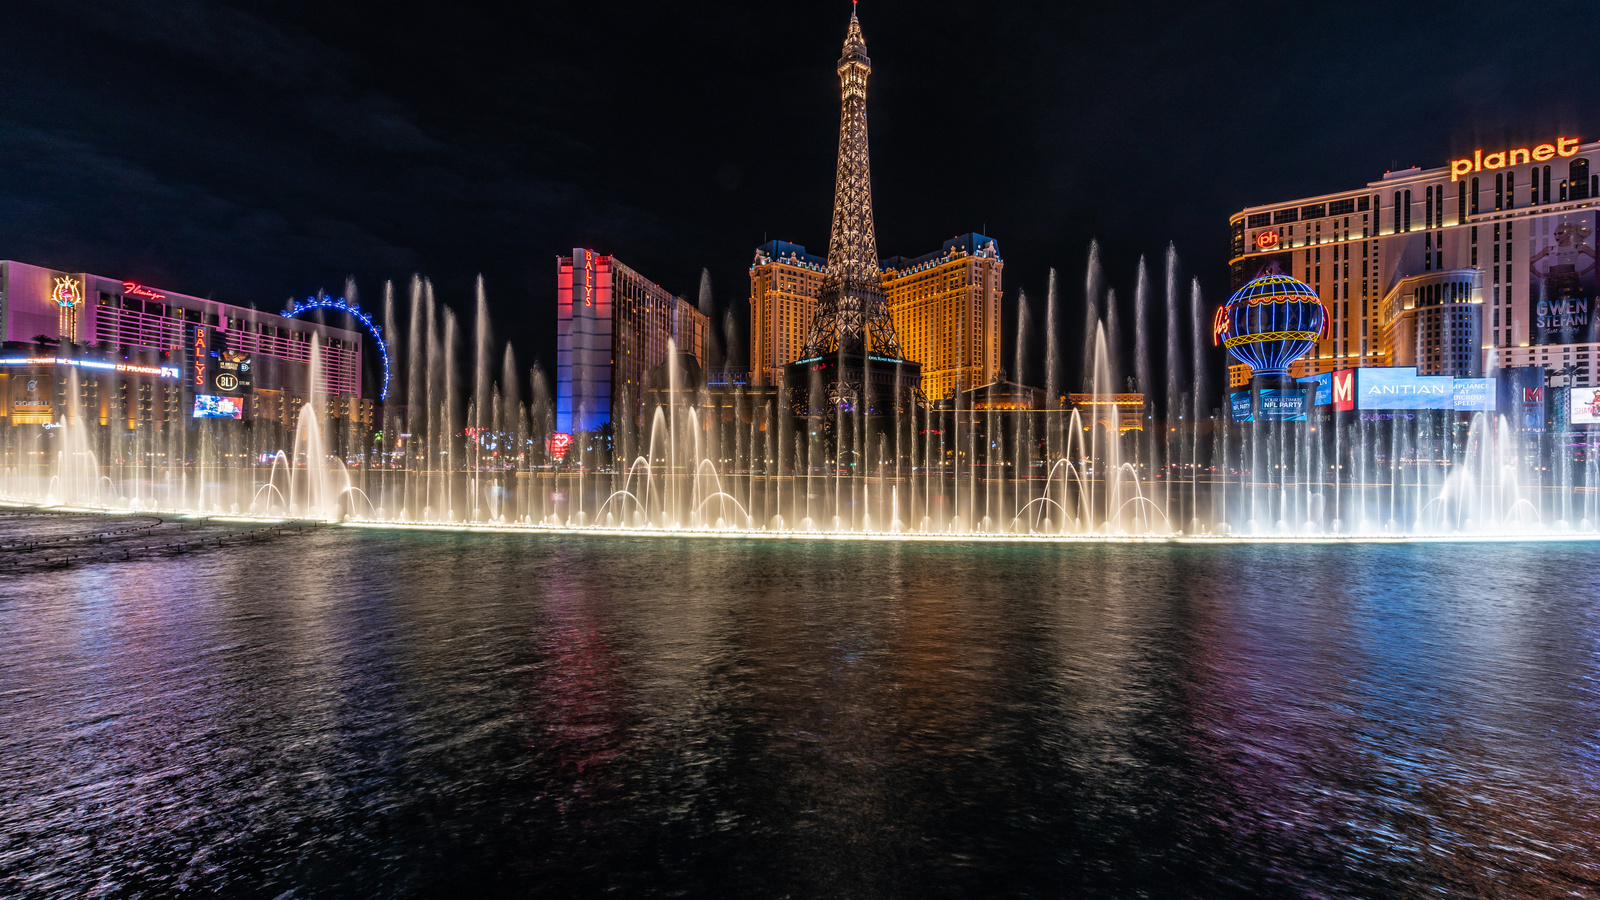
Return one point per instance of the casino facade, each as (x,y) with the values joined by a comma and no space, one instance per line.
(147,356)
(1487,262)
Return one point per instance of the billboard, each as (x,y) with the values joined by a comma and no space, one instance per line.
(1520,394)
(1282,404)
(1324,392)
(1475,395)
(1585,406)
(1561,279)
(1392,388)
(33,399)
(1239,402)
(210,406)
(234,372)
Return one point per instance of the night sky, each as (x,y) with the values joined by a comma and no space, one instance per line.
(255,151)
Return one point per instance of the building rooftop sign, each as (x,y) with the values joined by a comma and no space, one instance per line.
(1564,146)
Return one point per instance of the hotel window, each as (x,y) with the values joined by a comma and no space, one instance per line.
(1427,207)
(1511,190)
(1474,196)
(1363,204)
(1461,202)
(1499,192)
(1578,179)
(1547,184)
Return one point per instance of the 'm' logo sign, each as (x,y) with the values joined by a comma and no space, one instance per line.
(1533,395)
(1344,390)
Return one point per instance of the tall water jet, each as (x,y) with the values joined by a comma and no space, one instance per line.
(1093,280)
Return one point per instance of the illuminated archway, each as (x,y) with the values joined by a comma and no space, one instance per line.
(355,312)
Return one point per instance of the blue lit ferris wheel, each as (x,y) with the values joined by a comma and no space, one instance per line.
(355,312)
(1271,322)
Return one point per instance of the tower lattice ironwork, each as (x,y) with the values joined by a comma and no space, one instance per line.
(852,315)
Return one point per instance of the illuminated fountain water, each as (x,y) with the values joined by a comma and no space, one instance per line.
(468,440)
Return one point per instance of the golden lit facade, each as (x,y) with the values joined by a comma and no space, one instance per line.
(945,307)
(1507,231)
(1125,410)
(784,283)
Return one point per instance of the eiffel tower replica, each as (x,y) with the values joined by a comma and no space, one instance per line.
(853,362)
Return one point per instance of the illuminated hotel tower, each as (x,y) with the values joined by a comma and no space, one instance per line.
(613,326)
(940,311)
(945,306)
(1458,269)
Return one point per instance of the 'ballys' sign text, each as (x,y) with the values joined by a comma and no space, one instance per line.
(1564,146)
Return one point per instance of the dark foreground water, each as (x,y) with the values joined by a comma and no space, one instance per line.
(364,714)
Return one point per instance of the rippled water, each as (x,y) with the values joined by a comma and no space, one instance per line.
(362,713)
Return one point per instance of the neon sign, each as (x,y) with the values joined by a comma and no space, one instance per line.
(588,278)
(200,354)
(1564,146)
(558,444)
(66,292)
(1267,240)
(133,368)
(134,289)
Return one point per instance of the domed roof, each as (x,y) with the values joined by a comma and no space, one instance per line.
(1271,322)
(1275,287)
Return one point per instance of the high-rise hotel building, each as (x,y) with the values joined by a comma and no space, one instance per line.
(1486,262)
(945,306)
(613,326)
(145,356)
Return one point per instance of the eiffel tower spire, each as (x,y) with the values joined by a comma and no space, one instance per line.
(851,313)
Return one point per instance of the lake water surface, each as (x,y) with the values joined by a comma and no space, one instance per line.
(361,713)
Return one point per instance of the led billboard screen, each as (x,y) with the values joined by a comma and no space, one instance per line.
(1240,403)
(234,372)
(1324,393)
(1283,404)
(1561,279)
(1585,406)
(210,406)
(1520,395)
(1475,395)
(1403,388)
